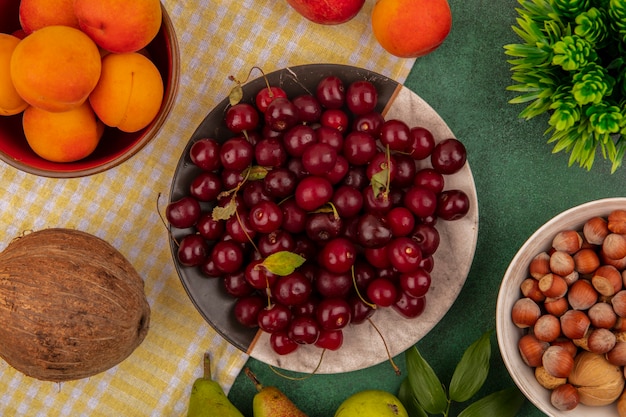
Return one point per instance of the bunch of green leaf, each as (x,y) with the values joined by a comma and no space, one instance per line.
(422,393)
(570,64)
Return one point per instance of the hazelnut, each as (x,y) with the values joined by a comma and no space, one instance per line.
(582,295)
(595,230)
(561,263)
(566,343)
(619,303)
(556,306)
(617,355)
(531,350)
(547,328)
(602,316)
(565,397)
(557,361)
(599,382)
(620,264)
(620,324)
(574,324)
(530,289)
(601,341)
(582,342)
(571,278)
(616,221)
(568,241)
(614,246)
(546,380)
(553,286)
(607,280)
(539,265)
(586,261)
(525,312)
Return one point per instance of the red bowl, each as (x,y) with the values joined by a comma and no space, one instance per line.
(115,146)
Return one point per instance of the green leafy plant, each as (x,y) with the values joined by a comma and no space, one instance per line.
(422,393)
(570,64)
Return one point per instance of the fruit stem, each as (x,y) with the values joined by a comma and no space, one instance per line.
(302,378)
(358,293)
(253,378)
(207,366)
(169,232)
(393,364)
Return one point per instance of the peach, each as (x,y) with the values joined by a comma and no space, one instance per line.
(10,101)
(129,93)
(119,25)
(35,14)
(62,136)
(55,68)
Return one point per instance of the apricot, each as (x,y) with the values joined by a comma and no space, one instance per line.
(411,28)
(129,94)
(36,14)
(10,101)
(55,68)
(62,136)
(119,25)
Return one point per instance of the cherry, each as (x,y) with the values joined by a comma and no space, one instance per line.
(312,192)
(205,186)
(204,153)
(238,227)
(240,117)
(330,339)
(377,257)
(330,92)
(382,292)
(280,183)
(421,201)
(277,241)
(247,308)
(364,273)
(292,289)
(415,283)
(274,318)
(330,284)
(282,344)
(330,136)
(183,213)
(281,114)
(372,231)
(254,192)
(304,330)
(375,201)
(347,200)
(427,238)
(236,154)
(338,171)
(404,254)
(369,123)
(265,216)
(266,95)
(236,285)
(448,156)
(338,255)
(429,178)
(361,97)
(359,148)
(333,313)
(192,250)
(405,171)
(322,227)
(319,158)
(210,228)
(335,119)
(359,310)
(259,277)
(396,134)
(270,152)
(356,177)
(296,139)
(400,220)
(409,307)
(309,108)
(227,255)
(307,308)
(294,217)
(382,162)
(422,143)
(452,204)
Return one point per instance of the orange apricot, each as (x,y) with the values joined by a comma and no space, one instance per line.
(36,14)
(10,101)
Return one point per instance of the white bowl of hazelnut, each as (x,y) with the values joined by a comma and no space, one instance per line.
(561,313)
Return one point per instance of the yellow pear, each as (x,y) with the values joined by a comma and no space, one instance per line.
(271,402)
(372,403)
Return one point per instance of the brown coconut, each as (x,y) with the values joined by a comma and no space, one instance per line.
(71,305)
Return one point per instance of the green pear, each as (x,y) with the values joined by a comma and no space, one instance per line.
(271,402)
(372,403)
(208,398)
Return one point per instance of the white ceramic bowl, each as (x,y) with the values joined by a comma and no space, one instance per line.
(508,334)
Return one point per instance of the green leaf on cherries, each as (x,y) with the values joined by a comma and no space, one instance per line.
(225,212)
(282,263)
(236,94)
(379,182)
(256,173)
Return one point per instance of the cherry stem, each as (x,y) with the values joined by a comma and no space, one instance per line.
(302,378)
(254,379)
(358,293)
(169,231)
(393,364)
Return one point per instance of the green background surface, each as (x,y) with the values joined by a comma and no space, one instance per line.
(520,185)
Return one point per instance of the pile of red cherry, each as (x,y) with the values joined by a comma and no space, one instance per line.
(322,175)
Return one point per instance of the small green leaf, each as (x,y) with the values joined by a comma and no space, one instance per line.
(379,181)
(471,371)
(282,263)
(406,397)
(236,94)
(425,384)
(225,212)
(503,403)
(256,173)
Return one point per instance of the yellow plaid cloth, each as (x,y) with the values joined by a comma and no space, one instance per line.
(216,39)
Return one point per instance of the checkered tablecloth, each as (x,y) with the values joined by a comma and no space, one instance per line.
(216,39)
